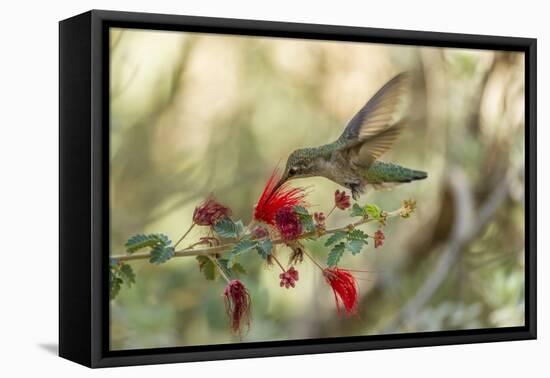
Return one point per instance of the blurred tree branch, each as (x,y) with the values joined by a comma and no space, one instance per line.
(466,228)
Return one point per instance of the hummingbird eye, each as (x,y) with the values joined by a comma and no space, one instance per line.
(292,171)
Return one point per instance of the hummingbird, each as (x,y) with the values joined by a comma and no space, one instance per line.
(352,160)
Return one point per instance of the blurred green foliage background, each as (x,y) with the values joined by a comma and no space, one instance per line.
(193,114)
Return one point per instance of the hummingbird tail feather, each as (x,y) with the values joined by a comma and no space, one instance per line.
(418,175)
(408,175)
(381,173)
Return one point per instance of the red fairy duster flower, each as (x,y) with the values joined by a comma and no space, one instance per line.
(209,212)
(274,198)
(288,223)
(237,305)
(341,200)
(379,238)
(289,278)
(344,287)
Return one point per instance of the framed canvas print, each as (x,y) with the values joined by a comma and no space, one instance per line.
(234,188)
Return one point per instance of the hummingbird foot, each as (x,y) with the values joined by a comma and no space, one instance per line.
(356,191)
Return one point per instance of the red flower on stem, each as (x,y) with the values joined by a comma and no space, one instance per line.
(289,278)
(379,238)
(341,200)
(344,286)
(288,223)
(275,197)
(209,212)
(320,220)
(237,305)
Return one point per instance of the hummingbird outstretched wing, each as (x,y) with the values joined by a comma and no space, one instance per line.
(372,131)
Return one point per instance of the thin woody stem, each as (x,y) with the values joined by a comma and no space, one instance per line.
(278,263)
(184,235)
(312,259)
(217,263)
(331,211)
(226,247)
(248,228)
(194,245)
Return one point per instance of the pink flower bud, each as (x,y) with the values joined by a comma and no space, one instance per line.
(379,238)
(289,278)
(320,219)
(341,200)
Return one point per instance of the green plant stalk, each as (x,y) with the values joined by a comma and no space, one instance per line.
(217,264)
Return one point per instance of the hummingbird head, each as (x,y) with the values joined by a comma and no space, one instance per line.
(300,163)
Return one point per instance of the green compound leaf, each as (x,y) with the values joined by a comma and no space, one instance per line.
(336,237)
(223,264)
(357,234)
(161,253)
(356,240)
(238,269)
(115,285)
(241,247)
(113,263)
(355,246)
(307,223)
(357,211)
(264,248)
(240,227)
(140,241)
(373,211)
(305,218)
(226,228)
(235,270)
(335,254)
(119,274)
(207,267)
(126,273)
(300,210)
(210,270)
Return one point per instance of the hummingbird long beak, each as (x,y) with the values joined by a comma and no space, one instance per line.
(280,183)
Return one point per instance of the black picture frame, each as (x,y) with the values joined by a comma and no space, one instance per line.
(83,195)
